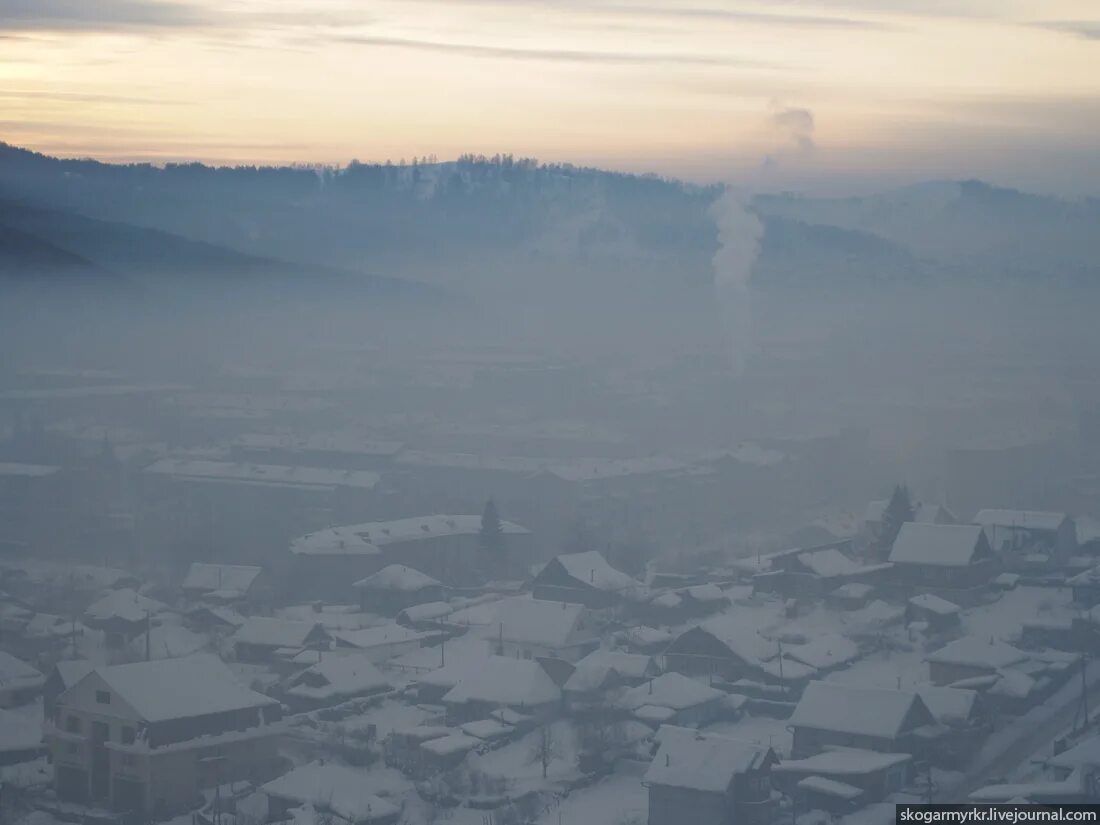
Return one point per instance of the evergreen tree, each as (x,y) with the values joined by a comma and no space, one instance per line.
(491,534)
(898,511)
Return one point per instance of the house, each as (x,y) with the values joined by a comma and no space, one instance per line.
(723,647)
(1085,587)
(19,682)
(971,657)
(674,699)
(122,615)
(965,716)
(331,789)
(396,587)
(383,642)
(335,678)
(939,614)
(501,681)
(260,637)
(535,629)
(872,774)
(813,571)
(850,596)
(604,670)
(149,736)
(241,585)
(953,556)
(718,779)
(63,676)
(836,715)
(587,579)
(1018,533)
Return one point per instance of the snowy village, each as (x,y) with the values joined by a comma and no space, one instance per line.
(518,661)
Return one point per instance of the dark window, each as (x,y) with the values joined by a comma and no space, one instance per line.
(127,735)
(72,725)
(103,697)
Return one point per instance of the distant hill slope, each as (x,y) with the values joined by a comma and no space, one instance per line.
(41,241)
(543,231)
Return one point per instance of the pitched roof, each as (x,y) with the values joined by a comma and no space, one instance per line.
(592,569)
(379,636)
(934,604)
(336,676)
(670,690)
(948,704)
(268,631)
(864,711)
(168,641)
(126,604)
(180,688)
(842,762)
(397,577)
(538,621)
(205,576)
(505,681)
(15,673)
(591,671)
(976,651)
(701,761)
(942,545)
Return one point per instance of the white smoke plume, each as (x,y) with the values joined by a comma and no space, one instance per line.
(739,232)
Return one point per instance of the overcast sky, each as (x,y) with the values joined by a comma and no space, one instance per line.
(837,94)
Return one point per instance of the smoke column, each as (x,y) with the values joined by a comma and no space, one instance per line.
(739,232)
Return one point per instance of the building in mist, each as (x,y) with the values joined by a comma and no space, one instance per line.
(718,779)
(149,737)
(588,579)
(1014,534)
(952,557)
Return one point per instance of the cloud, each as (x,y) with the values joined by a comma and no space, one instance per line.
(552,55)
(98,15)
(752,17)
(1089,30)
(795,127)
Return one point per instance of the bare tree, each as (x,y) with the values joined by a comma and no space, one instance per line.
(545,749)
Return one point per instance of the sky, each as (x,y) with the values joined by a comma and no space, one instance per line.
(829,95)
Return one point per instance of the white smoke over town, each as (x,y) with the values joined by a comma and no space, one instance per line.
(739,232)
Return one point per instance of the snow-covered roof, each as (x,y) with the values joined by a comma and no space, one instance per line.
(1020,519)
(223,472)
(126,604)
(975,651)
(538,621)
(709,592)
(72,671)
(452,744)
(591,671)
(699,761)
(503,680)
(942,545)
(829,787)
(15,673)
(487,729)
(669,690)
(592,569)
(203,576)
(948,704)
(380,636)
(427,612)
(743,640)
(852,590)
(646,636)
(180,688)
(327,786)
(397,577)
(829,563)
(268,631)
(366,538)
(842,762)
(934,604)
(864,711)
(823,651)
(338,675)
